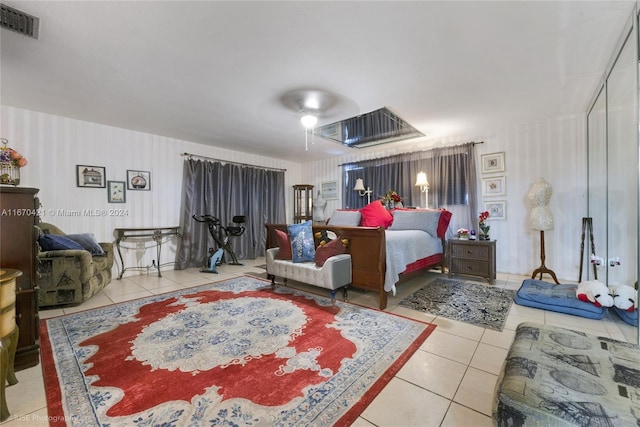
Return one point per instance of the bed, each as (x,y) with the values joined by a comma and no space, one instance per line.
(413,242)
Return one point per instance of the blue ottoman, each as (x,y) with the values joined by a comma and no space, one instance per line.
(557,377)
(559,298)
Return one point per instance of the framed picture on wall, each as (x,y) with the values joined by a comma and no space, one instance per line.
(116,192)
(493,186)
(90,176)
(329,190)
(497,210)
(138,180)
(493,162)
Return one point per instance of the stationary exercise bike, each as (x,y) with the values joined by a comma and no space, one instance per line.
(222,236)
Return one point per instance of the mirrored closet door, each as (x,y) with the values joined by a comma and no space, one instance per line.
(613,181)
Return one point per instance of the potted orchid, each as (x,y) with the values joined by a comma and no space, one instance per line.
(484,227)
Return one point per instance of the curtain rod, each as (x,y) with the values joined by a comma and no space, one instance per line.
(421,151)
(231,162)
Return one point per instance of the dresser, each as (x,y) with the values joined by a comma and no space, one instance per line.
(18,215)
(472,258)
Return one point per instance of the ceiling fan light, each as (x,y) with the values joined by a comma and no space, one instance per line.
(308,121)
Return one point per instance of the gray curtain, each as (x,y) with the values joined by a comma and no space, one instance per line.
(451,172)
(225,190)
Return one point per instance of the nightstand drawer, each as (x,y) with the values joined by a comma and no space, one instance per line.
(470,251)
(472,258)
(470,267)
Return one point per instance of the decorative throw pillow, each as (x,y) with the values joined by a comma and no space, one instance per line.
(375,215)
(53,242)
(324,252)
(443,222)
(88,242)
(302,246)
(284,244)
(416,219)
(345,218)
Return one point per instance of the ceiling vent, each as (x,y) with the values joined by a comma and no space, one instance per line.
(377,127)
(20,22)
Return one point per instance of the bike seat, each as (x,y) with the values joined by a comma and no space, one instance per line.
(236,230)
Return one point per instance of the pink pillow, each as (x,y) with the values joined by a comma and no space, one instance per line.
(375,215)
(284,244)
(326,251)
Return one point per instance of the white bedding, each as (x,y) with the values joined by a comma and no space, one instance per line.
(405,247)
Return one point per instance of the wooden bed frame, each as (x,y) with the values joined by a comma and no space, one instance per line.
(367,247)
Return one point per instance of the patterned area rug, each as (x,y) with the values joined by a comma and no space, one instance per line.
(473,303)
(231,353)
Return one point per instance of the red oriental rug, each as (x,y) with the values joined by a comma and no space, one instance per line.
(229,353)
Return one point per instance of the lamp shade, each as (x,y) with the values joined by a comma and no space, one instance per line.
(359,185)
(421,179)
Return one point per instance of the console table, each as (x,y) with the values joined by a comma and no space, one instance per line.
(155,233)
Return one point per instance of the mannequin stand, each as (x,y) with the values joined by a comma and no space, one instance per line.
(543,269)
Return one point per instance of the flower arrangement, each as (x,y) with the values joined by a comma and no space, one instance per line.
(391,198)
(9,155)
(483,225)
(10,163)
(463,233)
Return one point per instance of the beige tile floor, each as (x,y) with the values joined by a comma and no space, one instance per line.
(449,381)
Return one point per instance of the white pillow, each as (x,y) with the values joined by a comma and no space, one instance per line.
(345,218)
(416,219)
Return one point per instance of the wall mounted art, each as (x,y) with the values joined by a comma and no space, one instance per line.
(138,180)
(494,186)
(497,210)
(90,176)
(493,162)
(116,192)
(329,190)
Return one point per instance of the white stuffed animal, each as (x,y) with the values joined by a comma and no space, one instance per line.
(624,297)
(594,292)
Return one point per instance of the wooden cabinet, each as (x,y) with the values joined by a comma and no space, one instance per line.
(8,334)
(302,203)
(472,258)
(18,209)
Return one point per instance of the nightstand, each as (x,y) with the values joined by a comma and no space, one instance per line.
(472,258)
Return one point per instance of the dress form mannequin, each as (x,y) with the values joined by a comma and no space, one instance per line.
(541,218)
(318,208)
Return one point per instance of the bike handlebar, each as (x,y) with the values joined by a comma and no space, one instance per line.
(206,218)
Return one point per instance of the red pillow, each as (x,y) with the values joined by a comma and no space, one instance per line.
(284,244)
(443,222)
(375,215)
(326,251)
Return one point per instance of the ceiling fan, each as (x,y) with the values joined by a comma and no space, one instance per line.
(309,104)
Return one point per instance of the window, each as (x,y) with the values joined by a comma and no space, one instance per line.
(450,171)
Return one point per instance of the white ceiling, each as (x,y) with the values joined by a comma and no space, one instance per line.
(214,72)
